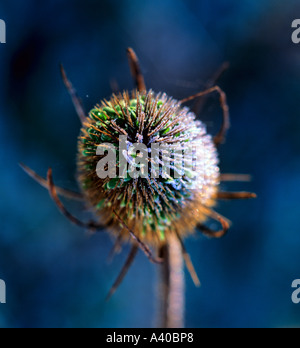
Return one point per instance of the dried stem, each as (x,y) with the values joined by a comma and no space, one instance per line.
(171,285)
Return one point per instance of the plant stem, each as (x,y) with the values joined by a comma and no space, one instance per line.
(171,285)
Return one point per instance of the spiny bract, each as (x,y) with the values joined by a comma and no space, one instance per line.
(151,207)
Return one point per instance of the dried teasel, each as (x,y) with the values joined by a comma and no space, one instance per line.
(154,210)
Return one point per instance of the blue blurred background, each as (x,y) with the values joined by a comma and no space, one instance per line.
(56,275)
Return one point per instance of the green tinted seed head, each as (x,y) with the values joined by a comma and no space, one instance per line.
(153,206)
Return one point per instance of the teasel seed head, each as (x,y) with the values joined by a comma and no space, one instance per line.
(152,207)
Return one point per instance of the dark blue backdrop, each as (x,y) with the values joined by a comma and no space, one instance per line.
(57,276)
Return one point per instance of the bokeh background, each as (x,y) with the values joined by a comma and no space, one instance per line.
(56,275)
